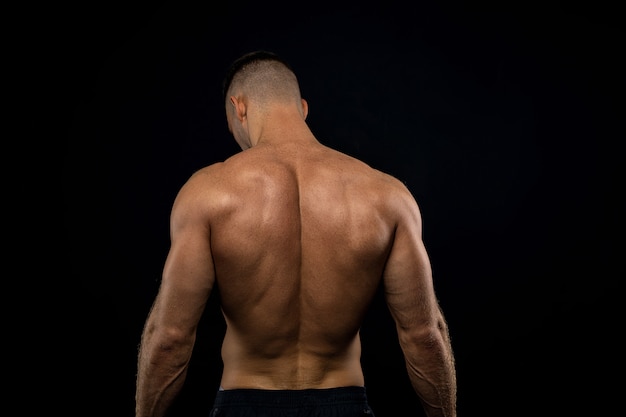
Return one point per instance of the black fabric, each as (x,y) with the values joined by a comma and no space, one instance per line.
(327,402)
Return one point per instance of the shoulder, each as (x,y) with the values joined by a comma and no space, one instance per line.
(201,190)
(398,199)
(217,176)
(377,183)
(387,185)
(216,186)
(202,180)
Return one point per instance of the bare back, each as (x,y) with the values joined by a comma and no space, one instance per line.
(299,241)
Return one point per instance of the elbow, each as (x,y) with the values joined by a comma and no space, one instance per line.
(431,336)
(175,339)
(169,341)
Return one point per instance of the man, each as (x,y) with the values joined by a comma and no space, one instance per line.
(297,238)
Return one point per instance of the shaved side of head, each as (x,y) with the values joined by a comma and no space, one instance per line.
(264,77)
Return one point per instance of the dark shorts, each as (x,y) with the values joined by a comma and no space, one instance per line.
(327,402)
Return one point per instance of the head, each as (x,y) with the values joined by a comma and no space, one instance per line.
(258,80)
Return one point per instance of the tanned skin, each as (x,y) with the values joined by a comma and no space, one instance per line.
(297,237)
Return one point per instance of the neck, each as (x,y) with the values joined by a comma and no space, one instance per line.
(281,127)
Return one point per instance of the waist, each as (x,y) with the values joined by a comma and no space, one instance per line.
(310,397)
(283,375)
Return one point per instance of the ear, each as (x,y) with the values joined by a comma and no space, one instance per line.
(240,108)
(305,108)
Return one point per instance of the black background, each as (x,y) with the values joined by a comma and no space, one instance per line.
(506,121)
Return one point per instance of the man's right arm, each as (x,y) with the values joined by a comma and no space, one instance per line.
(421,326)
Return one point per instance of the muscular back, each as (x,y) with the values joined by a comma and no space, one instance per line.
(299,238)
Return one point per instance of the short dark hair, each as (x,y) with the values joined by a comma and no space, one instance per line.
(244,60)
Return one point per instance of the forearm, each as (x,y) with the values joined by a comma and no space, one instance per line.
(161,373)
(431,369)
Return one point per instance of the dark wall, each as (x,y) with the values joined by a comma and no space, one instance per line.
(504,121)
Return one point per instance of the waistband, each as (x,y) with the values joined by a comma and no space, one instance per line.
(290,398)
